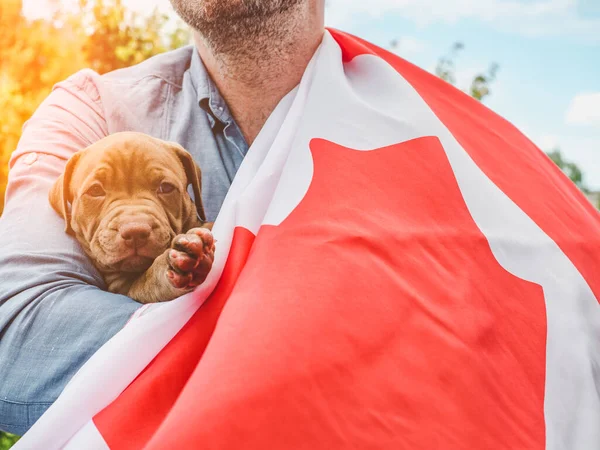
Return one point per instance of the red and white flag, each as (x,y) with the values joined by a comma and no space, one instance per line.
(397,268)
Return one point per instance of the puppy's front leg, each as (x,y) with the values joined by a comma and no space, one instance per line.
(178,270)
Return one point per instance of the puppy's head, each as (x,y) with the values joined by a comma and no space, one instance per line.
(125,197)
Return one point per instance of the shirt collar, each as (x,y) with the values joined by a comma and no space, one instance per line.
(209,98)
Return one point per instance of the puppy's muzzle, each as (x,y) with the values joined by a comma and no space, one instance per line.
(129,242)
(135,234)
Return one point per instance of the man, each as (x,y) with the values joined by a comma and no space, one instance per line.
(213,99)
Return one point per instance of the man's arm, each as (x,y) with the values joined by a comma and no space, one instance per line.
(54,313)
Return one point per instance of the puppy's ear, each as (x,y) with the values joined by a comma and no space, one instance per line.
(60,193)
(194,176)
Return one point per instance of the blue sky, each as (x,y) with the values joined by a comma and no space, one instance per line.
(548,84)
(548,51)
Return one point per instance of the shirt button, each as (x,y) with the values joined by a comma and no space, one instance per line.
(30,158)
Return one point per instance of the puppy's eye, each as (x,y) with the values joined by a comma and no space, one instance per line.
(95,191)
(165,188)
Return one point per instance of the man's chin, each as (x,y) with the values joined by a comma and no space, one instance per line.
(226,23)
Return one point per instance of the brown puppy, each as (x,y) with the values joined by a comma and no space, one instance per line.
(129,208)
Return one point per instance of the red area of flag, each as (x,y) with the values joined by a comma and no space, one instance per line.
(375,316)
(130,421)
(509,159)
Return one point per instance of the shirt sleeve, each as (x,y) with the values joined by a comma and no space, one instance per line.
(54,313)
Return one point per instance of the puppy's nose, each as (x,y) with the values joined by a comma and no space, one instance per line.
(135,234)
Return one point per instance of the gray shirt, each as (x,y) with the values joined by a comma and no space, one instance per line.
(54,312)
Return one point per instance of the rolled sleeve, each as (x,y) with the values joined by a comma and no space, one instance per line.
(54,313)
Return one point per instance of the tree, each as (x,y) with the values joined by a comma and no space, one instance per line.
(480,85)
(33,56)
(7,440)
(569,168)
(118,37)
(36,54)
(445,68)
(480,89)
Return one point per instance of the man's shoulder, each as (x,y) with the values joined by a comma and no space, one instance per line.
(168,67)
(136,97)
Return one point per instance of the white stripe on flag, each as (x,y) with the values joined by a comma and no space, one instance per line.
(384,109)
(115,365)
(88,438)
(363,105)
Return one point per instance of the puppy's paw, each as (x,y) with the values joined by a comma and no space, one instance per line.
(190,258)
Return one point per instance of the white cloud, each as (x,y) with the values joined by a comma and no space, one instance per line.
(409,45)
(525,17)
(584,109)
(583,151)
(466,75)
(547,142)
(148,5)
(43,9)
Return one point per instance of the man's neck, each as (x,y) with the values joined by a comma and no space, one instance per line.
(264,68)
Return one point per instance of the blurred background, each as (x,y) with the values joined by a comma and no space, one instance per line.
(535,62)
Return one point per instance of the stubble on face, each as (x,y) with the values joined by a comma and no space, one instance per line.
(224,25)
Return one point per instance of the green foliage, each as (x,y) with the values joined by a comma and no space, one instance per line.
(480,85)
(7,440)
(118,37)
(445,68)
(33,56)
(36,54)
(480,89)
(570,169)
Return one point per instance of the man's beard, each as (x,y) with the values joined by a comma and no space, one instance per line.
(226,24)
